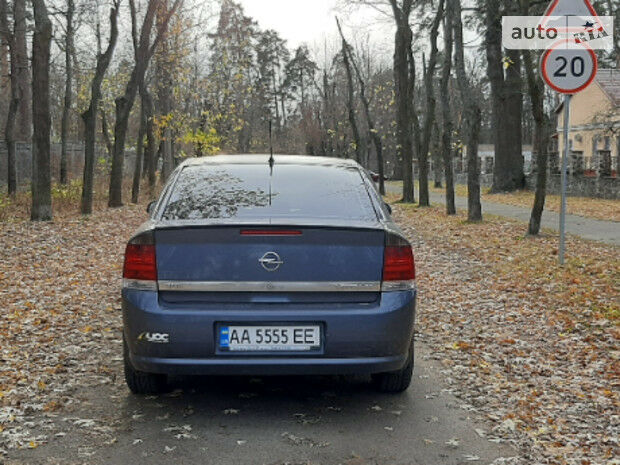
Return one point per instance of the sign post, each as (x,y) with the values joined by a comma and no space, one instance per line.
(567,99)
(567,69)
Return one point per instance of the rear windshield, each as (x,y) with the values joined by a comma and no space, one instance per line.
(250,192)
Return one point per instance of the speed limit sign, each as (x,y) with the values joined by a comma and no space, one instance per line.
(568,70)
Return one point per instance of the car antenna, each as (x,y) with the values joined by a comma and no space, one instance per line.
(272,161)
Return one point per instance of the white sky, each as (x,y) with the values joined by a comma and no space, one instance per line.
(312,21)
(297,21)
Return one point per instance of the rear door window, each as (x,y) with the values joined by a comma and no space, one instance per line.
(249,191)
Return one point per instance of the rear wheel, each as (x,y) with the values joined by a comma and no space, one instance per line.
(140,382)
(395,381)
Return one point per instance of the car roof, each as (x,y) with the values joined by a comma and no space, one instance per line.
(259,159)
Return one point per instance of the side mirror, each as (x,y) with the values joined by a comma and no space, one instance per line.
(389,207)
(151,207)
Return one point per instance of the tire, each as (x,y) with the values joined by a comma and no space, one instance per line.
(140,382)
(395,382)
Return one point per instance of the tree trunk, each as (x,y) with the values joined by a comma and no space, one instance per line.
(105,133)
(513,168)
(474,207)
(472,119)
(351,97)
(436,156)
(137,172)
(374,134)
(431,102)
(90,115)
(164,96)
(23,130)
(8,37)
(404,98)
(507,104)
(417,136)
(41,175)
(150,160)
(446,116)
(66,110)
(10,139)
(537,96)
(124,105)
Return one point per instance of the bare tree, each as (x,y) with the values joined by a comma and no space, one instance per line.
(23,129)
(9,37)
(372,132)
(444,94)
(404,79)
(143,52)
(351,97)
(90,115)
(163,90)
(19,102)
(68,103)
(145,153)
(431,101)
(41,175)
(471,120)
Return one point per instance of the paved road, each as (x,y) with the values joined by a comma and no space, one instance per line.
(275,421)
(603,231)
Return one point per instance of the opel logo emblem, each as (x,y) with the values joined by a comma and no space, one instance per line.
(271,261)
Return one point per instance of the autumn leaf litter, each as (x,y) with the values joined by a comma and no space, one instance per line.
(529,347)
(61,322)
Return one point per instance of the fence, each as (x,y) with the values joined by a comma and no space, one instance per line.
(580,186)
(75,161)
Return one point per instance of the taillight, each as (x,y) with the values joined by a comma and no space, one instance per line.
(140,269)
(398,265)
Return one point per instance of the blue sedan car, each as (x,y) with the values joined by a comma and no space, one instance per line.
(255,266)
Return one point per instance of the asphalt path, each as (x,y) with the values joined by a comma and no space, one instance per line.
(275,421)
(587,228)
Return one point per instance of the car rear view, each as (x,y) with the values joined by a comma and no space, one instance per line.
(248,267)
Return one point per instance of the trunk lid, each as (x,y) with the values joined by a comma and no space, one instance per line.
(270,264)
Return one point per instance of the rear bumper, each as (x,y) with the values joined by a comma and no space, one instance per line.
(268,366)
(357,338)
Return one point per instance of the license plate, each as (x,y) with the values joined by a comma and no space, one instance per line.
(270,338)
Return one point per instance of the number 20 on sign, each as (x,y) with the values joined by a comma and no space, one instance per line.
(568,69)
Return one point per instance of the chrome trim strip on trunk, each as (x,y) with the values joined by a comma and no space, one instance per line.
(283,286)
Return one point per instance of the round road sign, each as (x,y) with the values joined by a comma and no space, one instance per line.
(568,68)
